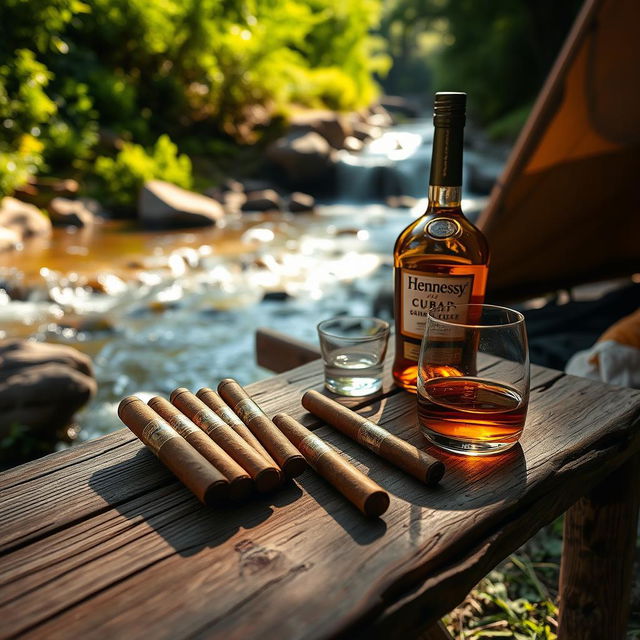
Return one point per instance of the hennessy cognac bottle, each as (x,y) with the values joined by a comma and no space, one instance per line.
(441,260)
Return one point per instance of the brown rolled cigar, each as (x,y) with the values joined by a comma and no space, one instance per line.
(356,487)
(279,447)
(265,475)
(404,455)
(240,483)
(190,467)
(217,404)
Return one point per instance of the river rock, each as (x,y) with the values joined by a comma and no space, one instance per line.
(9,239)
(70,213)
(164,205)
(265,200)
(231,200)
(364,131)
(42,385)
(379,116)
(301,202)
(304,157)
(24,219)
(333,127)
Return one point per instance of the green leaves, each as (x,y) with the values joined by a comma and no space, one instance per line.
(121,178)
(193,69)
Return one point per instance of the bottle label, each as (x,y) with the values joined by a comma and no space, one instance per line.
(228,416)
(247,410)
(313,448)
(155,433)
(371,435)
(421,294)
(183,425)
(443,228)
(209,421)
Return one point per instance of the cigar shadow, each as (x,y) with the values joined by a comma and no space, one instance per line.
(360,528)
(148,495)
(469,482)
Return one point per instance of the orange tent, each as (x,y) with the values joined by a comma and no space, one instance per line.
(567,207)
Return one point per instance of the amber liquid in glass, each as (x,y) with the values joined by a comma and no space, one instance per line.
(472,410)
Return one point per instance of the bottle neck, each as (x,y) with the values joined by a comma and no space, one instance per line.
(445,179)
(444,197)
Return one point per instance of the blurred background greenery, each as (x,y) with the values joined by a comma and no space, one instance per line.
(115,92)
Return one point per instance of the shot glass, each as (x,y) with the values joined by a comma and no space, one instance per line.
(473,380)
(353,349)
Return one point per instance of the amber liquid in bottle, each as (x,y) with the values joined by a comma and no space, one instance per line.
(441,259)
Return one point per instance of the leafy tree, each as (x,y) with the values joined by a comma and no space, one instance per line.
(499,51)
(196,70)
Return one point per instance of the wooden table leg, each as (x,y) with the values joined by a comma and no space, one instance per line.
(597,559)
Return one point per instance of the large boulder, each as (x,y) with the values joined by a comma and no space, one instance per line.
(304,157)
(163,205)
(42,385)
(70,213)
(23,219)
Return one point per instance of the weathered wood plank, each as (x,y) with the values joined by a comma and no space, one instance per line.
(36,500)
(279,352)
(597,559)
(305,563)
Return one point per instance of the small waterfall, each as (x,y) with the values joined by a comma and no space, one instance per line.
(394,164)
(397,164)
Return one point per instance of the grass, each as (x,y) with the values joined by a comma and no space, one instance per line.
(519,599)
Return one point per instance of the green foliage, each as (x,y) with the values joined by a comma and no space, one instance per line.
(499,52)
(24,108)
(120,178)
(194,69)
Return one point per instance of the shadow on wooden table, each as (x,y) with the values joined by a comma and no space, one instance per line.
(166,508)
(361,529)
(470,482)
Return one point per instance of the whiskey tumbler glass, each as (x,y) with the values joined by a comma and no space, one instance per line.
(473,379)
(353,349)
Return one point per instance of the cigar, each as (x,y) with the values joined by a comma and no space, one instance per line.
(359,489)
(279,447)
(265,475)
(404,455)
(240,483)
(190,467)
(217,404)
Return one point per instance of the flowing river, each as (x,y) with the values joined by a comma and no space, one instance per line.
(158,310)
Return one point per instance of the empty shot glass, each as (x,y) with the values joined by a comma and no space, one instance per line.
(353,349)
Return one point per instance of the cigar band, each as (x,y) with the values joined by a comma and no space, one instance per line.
(371,435)
(228,416)
(155,433)
(208,421)
(183,425)
(312,448)
(247,410)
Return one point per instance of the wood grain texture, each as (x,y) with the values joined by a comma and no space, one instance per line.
(112,546)
(597,558)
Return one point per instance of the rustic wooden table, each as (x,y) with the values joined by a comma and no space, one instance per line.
(101,542)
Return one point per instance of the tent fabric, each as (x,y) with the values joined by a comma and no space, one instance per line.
(567,207)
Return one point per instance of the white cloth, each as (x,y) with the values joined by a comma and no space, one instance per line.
(616,364)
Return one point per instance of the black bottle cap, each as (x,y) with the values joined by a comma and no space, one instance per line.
(449,108)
